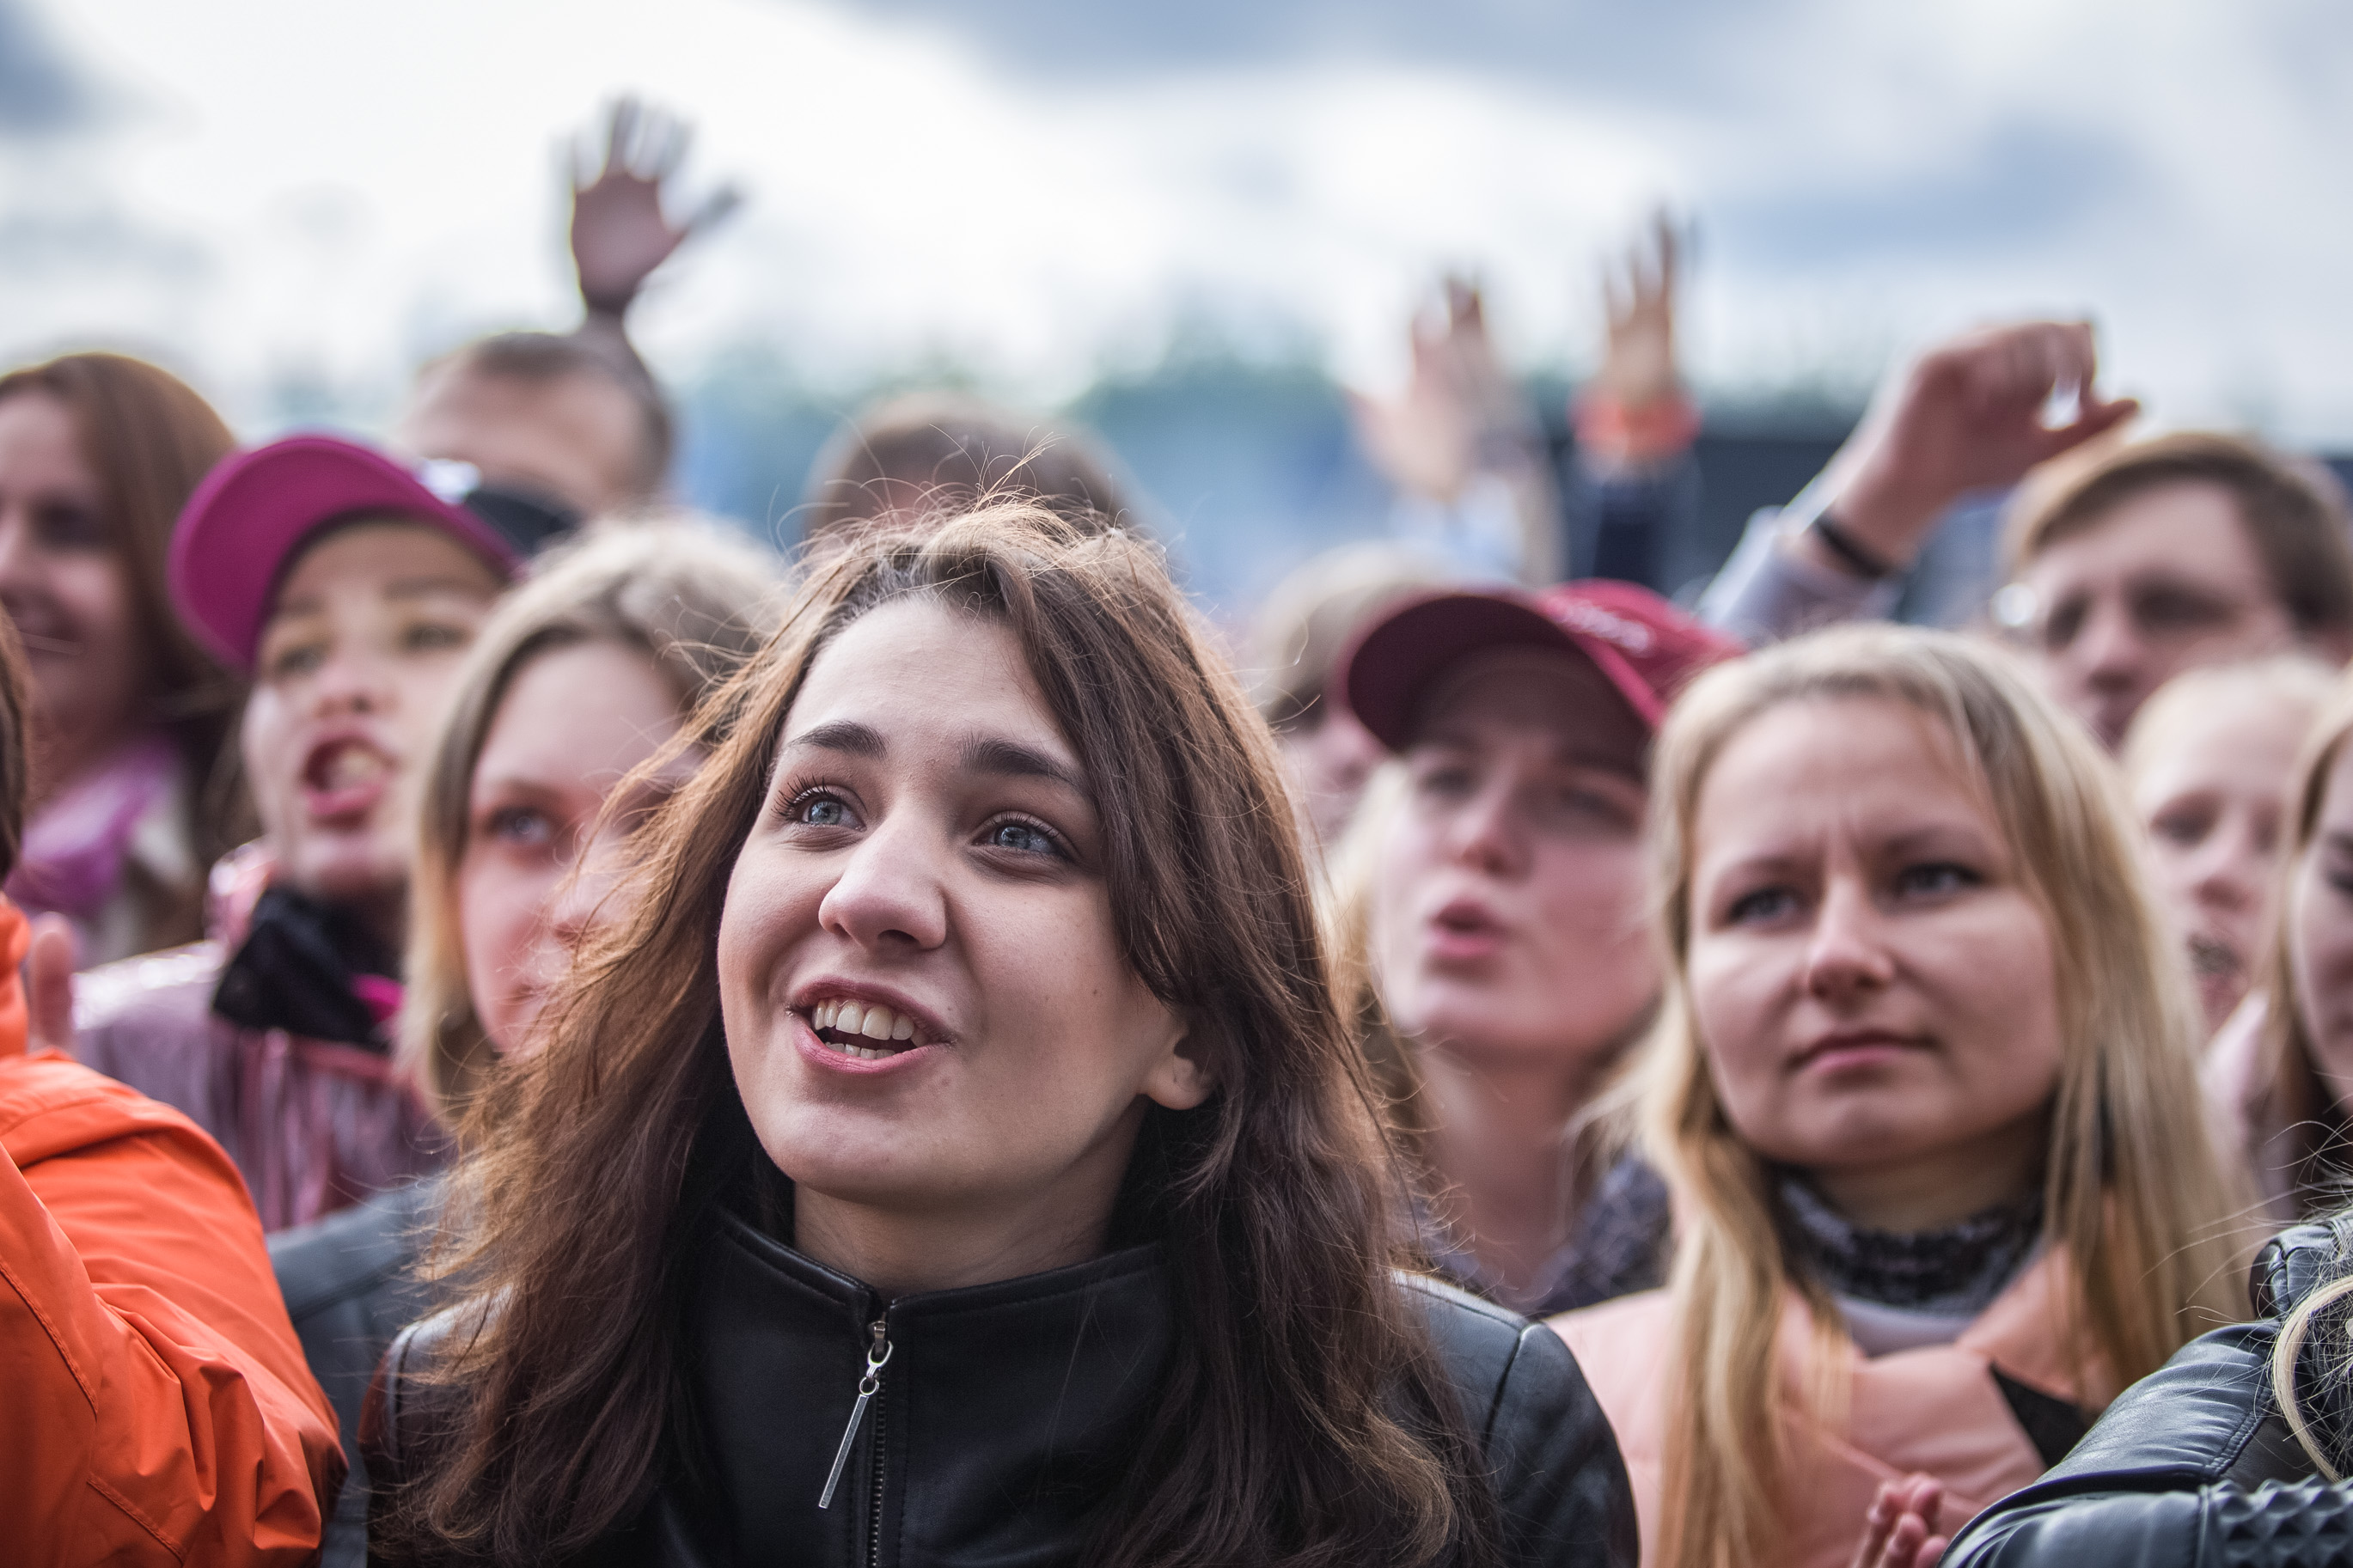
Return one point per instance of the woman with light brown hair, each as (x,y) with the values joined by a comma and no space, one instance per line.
(129,805)
(1922,1090)
(529,784)
(957,1153)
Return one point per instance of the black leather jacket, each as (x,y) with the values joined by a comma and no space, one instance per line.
(1004,1414)
(349,1284)
(2193,1467)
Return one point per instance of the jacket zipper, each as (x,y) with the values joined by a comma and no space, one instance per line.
(874,1521)
(878,1355)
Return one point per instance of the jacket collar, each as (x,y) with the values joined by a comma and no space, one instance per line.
(1003,1409)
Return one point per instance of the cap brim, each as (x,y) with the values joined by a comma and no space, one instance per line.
(253,512)
(1388,673)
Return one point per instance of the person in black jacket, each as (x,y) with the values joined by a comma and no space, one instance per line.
(2201,1463)
(959,1154)
(579,676)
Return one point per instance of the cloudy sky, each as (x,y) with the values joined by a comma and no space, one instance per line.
(285,193)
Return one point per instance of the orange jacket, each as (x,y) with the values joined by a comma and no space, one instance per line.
(156,1404)
(1935,1409)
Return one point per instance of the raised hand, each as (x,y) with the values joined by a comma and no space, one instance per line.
(1638,298)
(619,233)
(1967,415)
(1900,1531)
(1430,441)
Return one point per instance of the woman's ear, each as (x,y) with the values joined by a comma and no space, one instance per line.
(1179,1078)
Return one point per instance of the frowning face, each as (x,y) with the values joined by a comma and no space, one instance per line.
(925,1001)
(1872,979)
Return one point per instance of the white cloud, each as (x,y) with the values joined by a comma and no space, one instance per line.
(369,183)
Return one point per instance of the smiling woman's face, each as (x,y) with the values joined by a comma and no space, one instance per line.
(925,1002)
(1870,977)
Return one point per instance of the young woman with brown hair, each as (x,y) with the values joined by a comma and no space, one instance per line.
(1924,1092)
(587,670)
(958,1151)
(131,718)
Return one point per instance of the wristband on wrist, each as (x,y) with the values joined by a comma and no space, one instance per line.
(1855,557)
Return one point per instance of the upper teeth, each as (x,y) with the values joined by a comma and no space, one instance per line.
(869,1019)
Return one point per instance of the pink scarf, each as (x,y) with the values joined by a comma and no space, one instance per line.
(75,848)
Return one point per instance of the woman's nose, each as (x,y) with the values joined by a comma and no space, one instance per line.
(1848,955)
(1485,833)
(892,892)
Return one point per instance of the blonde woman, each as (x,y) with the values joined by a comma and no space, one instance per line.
(1923,1089)
(534,775)
(2208,765)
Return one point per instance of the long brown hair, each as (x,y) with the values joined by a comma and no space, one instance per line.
(1304,1418)
(2132,1194)
(148,438)
(696,604)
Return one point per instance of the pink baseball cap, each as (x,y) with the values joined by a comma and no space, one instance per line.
(1646,648)
(256,509)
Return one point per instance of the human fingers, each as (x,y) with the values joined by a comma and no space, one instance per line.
(50,984)
(621,132)
(2094,418)
(714,209)
(1879,1523)
(1931,1552)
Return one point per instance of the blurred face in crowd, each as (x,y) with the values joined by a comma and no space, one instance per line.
(355,659)
(2166,580)
(926,1004)
(64,584)
(1330,757)
(573,437)
(2211,798)
(1871,976)
(2320,933)
(1507,917)
(543,827)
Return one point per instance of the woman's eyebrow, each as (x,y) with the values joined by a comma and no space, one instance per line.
(994,754)
(846,735)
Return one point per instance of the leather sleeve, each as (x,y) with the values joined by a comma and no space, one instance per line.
(2192,1468)
(1560,1484)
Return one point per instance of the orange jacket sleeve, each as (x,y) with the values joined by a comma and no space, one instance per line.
(157,1405)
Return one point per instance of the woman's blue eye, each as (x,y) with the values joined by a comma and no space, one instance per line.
(523,827)
(1937,879)
(1020,836)
(1765,904)
(822,812)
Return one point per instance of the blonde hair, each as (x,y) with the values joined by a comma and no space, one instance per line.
(695,602)
(2294,679)
(2132,1192)
(2288,1096)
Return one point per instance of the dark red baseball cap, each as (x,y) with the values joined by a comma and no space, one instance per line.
(254,510)
(1645,647)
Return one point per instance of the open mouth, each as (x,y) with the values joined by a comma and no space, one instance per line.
(2213,960)
(867,1031)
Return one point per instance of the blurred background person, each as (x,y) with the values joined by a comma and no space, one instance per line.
(1297,642)
(2282,1073)
(2208,765)
(348,592)
(530,786)
(132,793)
(1491,902)
(545,429)
(932,453)
(158,1410)
(1924,1223)
(2163,555)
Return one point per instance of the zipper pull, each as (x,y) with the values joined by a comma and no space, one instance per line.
(877,1355)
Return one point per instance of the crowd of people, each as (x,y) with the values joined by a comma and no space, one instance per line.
(538,1031)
